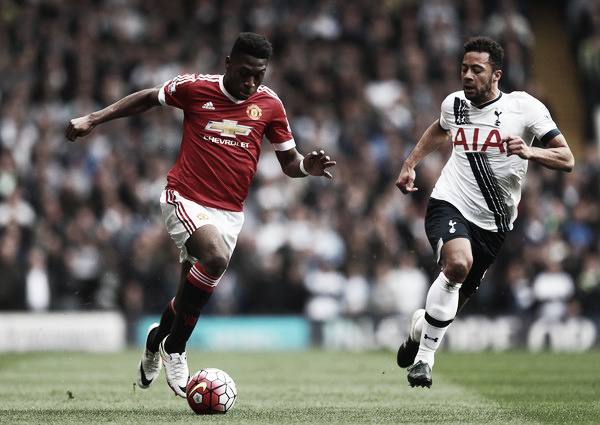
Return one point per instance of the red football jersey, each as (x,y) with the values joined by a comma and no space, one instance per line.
(221,139)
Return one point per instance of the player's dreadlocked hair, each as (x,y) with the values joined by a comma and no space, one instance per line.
(487,45)
(249,43)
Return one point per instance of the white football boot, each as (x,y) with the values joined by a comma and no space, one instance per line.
(149,366)
(176,369)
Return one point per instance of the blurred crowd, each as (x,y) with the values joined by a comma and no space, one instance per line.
(583,26)
(80,224)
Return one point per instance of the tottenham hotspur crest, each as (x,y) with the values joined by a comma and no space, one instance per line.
(452,224)
(497,113)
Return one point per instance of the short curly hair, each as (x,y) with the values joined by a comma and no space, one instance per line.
(249,43)
(486,45)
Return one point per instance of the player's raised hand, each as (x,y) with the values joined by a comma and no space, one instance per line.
(79,127)
(317,162)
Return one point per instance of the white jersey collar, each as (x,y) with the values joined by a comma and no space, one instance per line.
(226,93)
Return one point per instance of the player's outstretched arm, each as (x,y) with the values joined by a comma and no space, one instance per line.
(431,140)
(314,163)
(133,104)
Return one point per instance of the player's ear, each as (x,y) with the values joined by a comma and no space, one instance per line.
(497,75)
(227,62)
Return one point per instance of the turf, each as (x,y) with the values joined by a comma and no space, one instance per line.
(314,387)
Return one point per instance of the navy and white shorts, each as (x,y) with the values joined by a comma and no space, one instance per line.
(443,222)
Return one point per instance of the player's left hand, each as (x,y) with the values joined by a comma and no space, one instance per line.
(516,146)
(317,162)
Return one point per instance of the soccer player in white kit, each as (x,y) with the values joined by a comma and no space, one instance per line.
(474,202)
(225,119)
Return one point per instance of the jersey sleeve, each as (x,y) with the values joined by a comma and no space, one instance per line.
(537,118)
(176,92)
(445,112)
(278,132)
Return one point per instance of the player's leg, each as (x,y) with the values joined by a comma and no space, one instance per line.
(150,365)
(197,283)
(206,238)
(475,249)
(441,307)
(407,352)
(442,224)
(195,288)
(164,326)
(157,334)
(462,299)
(442,299)
(448,234)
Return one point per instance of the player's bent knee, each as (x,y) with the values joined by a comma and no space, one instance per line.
(216,265)
(458,269)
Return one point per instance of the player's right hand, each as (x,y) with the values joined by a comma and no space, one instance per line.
(79,127)
(406,180)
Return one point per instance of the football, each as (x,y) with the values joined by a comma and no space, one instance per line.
(211,391)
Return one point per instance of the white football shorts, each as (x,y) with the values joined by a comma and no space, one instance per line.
(182,217)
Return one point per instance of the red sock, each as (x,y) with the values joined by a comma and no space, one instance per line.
(200,279)
(166,321)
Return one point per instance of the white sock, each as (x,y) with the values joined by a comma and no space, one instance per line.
(431,338)
(442,298)
(441,307)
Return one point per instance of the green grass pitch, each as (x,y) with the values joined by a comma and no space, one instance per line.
(313,387)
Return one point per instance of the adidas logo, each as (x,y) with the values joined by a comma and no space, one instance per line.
(208,105)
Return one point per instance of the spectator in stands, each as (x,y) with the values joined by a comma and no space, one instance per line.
(553,289)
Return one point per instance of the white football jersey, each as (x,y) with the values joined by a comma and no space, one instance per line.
(479,179)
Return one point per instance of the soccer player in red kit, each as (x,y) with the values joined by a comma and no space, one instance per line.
(225,119)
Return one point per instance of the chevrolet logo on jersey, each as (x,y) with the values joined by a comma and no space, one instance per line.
(228,128)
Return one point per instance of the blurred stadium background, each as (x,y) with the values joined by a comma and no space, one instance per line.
(85,262)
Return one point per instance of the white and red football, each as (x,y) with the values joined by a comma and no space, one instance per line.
(211,391)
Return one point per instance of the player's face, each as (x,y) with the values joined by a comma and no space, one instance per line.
(480,83)
(243,75)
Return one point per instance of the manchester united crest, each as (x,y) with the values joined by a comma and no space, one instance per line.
(254,112)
